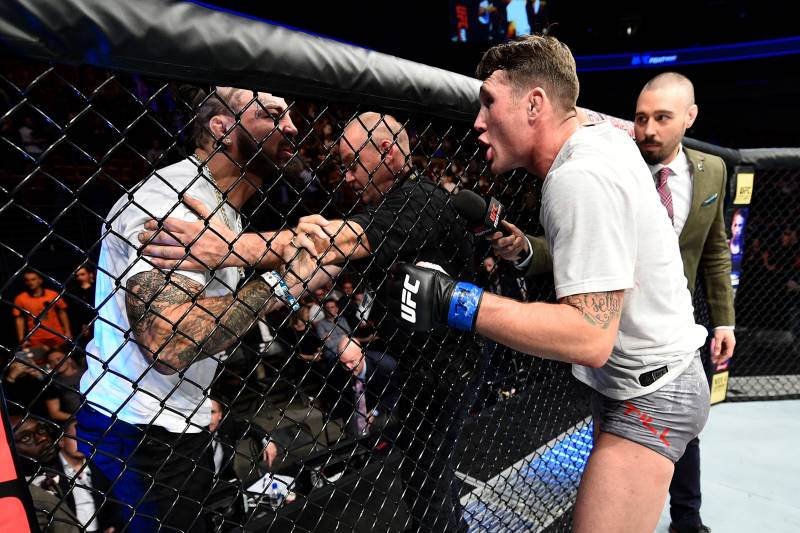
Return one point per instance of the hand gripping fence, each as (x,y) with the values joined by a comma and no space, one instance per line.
(153,380)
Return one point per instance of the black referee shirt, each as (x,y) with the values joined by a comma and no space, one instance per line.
(414,222)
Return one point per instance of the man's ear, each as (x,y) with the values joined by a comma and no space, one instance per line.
(220,126)
(535,100)
(388,150)
(691,115)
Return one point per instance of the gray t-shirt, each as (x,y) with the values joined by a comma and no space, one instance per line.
(608,231)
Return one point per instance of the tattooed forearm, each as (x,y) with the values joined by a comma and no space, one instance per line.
(598,308)
(175,326)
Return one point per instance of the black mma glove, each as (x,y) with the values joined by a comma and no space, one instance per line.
(425,298)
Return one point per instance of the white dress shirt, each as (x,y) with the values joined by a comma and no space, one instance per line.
(680,185)
(216,447)
(84,502)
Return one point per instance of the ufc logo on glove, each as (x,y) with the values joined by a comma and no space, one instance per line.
(407,305)
(425,297)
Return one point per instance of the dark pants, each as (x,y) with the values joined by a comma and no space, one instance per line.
(684,491)
(434,408)
(159,479)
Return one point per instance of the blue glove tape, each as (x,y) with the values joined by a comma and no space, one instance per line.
(464,306)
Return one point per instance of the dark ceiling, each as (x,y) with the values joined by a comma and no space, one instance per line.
(749,103)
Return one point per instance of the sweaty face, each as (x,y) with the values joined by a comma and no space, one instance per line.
(265,122)
(660,123)
(501,118)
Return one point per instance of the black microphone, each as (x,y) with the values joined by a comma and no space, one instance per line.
(482,219)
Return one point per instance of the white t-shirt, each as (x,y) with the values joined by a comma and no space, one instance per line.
(127,387)
(608,231)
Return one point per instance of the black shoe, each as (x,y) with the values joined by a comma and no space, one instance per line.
(690,529)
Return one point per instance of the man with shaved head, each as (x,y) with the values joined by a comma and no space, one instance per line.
(408,218)
(691,186)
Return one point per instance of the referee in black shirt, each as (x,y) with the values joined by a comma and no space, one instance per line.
(409,218)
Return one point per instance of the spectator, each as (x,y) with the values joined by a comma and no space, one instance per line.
(332,329)
(307,370)
(83,312)
(30,139)
(26,384)
(315,313)
(84,486)
(793,294)
(499,280)
(778,260)
(347,294)
(41,316)
(736,244)
(227,432)
(299,336)
(360,392)
(64,398)
(37,454)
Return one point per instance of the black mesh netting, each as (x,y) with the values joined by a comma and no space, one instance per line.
(308,433)
(767,361)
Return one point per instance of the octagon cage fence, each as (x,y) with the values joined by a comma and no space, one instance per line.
(284,428)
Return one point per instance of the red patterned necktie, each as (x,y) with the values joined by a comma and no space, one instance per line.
(663,190)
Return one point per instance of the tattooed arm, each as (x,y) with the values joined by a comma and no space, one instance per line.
(175,325)
(579,329)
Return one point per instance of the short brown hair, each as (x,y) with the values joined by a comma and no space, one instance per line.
(535,60)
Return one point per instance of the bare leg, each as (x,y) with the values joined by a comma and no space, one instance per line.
(623,488)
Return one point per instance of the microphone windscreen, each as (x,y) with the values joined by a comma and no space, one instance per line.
(470,206)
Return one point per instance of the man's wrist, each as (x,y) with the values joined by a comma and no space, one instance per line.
(281,289)
(462,312)
(520,265)
(729,328)
(250,250)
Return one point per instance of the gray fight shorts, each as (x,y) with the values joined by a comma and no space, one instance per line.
(665,420)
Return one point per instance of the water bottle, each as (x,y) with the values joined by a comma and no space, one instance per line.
(275,496)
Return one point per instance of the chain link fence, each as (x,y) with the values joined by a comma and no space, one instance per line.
(276,420)
(460,433)
(767,362)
